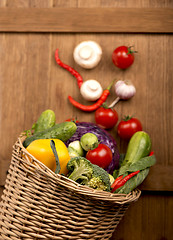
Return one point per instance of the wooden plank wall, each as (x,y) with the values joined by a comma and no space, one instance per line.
(30,82)
(84,20)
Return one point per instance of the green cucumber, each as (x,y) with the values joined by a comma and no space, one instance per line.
(139,147)
(46,120)
(62,131)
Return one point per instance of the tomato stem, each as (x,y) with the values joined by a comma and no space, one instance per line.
(127,118)
(104,105)
(130,50)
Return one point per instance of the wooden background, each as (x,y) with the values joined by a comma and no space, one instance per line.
(31,81)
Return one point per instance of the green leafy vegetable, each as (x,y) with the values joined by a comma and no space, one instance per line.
(133,182)
(141,164)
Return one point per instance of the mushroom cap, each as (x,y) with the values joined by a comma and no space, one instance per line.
(87,54)
(91,90)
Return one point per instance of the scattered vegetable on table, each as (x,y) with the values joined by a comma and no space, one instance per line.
(124,91)
(128,126)
(96,105)
(87,54)
(123,57)
(68,68)
(91,90)
(106,117)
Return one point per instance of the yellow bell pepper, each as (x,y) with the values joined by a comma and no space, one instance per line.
(42,151)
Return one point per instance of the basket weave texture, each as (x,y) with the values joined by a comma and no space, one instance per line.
(39,204)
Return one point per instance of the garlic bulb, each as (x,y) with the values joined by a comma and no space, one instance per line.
(91,90)
(124,90)
(87,54)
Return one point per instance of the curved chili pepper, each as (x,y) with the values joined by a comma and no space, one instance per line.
(124,180)
(117,180)
(94,106)
(70,69)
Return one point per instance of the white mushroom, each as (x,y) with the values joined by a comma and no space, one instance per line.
(87,54)
(91,90)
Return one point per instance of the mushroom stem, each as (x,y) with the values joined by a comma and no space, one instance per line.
(85,52)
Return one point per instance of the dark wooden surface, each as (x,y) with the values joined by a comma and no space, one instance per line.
(30,82)
(145,20)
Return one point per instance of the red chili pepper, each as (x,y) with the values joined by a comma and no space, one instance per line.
(117,180)
(124,180)
(70,69)
(94,106)
(151,153)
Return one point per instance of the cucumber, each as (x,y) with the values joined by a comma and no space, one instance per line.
(62,131)
(46,120)
(139,146)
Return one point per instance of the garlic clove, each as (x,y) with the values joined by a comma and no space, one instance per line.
(87,54)
(91,90)
(124,90)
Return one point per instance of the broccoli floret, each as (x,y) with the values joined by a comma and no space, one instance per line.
(100,179)
(80,170)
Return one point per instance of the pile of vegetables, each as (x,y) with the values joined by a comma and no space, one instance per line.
(135,165)
(103,138)
(88,154)
(85,152)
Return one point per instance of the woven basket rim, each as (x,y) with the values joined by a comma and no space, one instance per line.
(72,185)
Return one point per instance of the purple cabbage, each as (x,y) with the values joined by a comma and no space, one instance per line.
(103,137)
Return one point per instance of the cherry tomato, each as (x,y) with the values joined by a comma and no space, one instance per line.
(128,126)
(106,118)
(123,57)
(101,156)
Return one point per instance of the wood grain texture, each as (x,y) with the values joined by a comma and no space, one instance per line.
(148,218)
(126,20)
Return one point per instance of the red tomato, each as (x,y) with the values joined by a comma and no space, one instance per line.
(106,117)
(101,156)
(123,57)
(127,127)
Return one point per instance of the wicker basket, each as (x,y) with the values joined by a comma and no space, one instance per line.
(38,204)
